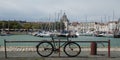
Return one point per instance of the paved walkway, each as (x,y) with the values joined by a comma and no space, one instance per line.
(18,53)
(85,55)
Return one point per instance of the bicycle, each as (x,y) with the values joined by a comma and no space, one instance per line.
(46,48)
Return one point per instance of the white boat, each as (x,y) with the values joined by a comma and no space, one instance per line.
(109,35)
(44,34)
(117,35)
(99,35)
(87,34)
(77,34)
(104,34)
(68,34)
(34,33)
(3,33)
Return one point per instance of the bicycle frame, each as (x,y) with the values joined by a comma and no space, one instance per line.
(54,43)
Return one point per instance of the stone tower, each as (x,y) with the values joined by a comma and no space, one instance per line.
(65,20)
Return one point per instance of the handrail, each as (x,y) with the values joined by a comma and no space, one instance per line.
(13,41)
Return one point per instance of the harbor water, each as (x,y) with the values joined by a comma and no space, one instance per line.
(115,42)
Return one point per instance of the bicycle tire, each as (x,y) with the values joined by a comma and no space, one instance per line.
(50,45)
(72,54)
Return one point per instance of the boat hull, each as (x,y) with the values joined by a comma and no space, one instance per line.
(73,36)
(117,36)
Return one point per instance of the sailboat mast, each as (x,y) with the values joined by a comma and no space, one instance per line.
(3,25)
(55,22)
(86,24)
(113,15)
(8,25)
(49,23)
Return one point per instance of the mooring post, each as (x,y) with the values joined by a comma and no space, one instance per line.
(109,48)
(5,48)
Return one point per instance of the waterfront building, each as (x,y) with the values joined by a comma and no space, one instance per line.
(74,26)
(102,27)
(112,26)
(94,26)
(87,26)
(84,27)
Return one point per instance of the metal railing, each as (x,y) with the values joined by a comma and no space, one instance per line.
(12,41)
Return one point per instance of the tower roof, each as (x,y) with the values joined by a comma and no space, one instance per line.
(64,18)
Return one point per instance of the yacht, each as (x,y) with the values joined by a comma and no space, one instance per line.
(43,34)
(117,35)
(68,34)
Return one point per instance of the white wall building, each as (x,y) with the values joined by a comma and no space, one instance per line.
(90,26)
(112,26)
(93,26)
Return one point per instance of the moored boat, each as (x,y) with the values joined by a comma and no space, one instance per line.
(117,36)
(3,33)
(44,34)
(68,34)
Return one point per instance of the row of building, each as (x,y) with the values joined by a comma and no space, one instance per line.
(84,27)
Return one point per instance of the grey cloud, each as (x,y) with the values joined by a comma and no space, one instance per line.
(74,8)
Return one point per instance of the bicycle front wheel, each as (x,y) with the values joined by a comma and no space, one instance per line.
(72,49)
(45,49)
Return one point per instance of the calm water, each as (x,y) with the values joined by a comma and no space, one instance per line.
(115,42)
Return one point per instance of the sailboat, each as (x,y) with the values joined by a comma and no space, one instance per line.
(117,29)
(43,34)
(117,33)
(3,33)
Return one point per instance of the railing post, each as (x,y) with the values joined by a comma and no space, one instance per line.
(59,47)
(5,48)
(109,48)
(93,48)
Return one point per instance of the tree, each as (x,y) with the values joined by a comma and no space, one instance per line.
(35,26)
(14,25)
(1,25)
(27,26)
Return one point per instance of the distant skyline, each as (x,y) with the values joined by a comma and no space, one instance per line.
(49,10)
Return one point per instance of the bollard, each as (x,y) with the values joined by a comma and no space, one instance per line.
(93,48)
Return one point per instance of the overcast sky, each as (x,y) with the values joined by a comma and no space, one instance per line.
(76,10)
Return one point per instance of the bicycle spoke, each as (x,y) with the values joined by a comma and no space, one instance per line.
(45,49)
(72,49)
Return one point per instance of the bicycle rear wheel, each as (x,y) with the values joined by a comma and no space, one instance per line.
(45,49)
(72,49)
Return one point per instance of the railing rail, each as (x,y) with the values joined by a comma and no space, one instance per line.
(13,41)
